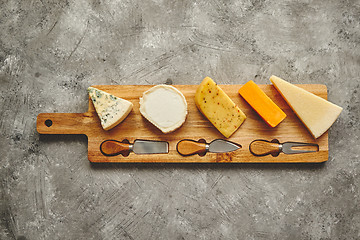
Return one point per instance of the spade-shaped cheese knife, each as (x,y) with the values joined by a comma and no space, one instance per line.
(114,147)
(262,147)
(188,147)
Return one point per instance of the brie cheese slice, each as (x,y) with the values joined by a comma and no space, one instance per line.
(164,106)
(315,112)
(111,109)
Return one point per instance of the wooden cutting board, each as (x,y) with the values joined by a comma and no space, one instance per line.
(196,127)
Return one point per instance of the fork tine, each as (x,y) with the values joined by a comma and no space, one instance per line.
(287,147)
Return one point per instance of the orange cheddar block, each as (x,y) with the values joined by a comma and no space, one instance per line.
(262,104)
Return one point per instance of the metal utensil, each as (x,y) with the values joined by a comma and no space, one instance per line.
(262,147)
(188,147)
(114,147)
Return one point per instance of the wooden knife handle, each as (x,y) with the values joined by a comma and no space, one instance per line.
(114,148)
(263,148)
(189,147)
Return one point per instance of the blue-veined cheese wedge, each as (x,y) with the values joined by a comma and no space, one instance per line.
(111,110)
(164,106)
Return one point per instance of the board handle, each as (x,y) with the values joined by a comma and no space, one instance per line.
(63,123)
(189,147)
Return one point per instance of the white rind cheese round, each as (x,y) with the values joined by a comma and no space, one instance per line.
(165,107)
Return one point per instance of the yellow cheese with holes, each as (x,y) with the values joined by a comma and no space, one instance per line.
(218,108)
(315,112)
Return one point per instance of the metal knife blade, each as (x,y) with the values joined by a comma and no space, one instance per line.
(221,146)
(149,147)
(189,147)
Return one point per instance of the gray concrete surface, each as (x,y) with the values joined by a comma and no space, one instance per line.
(51,51)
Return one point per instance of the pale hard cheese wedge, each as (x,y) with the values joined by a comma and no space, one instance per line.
(165,107)
(111,109)
(315,112)
(218,108)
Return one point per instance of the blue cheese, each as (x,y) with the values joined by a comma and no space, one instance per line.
(111,110)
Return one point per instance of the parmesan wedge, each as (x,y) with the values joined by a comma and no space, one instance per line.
(315,112)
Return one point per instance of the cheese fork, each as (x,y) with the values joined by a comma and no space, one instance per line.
(262,147)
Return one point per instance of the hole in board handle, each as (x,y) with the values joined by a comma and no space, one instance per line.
(48,123)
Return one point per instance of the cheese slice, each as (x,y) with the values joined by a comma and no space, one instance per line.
(262,104)
(218,108)
(164,106)
(315,112)
(111,109)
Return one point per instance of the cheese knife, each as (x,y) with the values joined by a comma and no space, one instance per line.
(188,147)
(114,147)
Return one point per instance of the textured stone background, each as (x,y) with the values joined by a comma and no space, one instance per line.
(51,51)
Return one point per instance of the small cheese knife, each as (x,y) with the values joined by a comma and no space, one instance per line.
(261,147)
(114,147)
(188,147)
